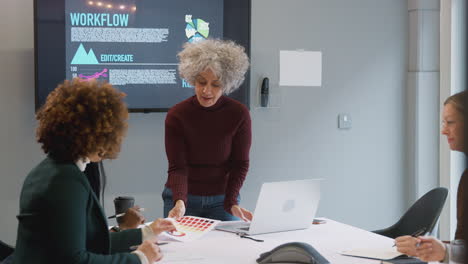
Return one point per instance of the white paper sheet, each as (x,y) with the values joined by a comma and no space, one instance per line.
(300,68)
(374,253)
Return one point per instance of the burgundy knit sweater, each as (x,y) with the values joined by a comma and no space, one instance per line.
(208,149)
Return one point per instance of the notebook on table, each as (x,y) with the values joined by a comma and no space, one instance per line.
(386,255)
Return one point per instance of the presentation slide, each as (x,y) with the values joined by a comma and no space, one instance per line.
(133,46)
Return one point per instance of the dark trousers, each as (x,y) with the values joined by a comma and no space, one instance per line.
(201,206)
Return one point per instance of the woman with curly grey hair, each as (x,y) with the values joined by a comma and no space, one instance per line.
(208,135)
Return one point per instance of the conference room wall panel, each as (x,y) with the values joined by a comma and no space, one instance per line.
(364,48)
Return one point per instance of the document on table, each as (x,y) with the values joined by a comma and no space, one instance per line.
(373,253)
(215,251)
(182,258)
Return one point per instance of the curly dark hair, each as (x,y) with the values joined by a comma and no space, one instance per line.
(81,118)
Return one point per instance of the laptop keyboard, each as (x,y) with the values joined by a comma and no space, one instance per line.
(239,226)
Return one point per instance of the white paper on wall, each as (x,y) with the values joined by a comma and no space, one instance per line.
(300,68)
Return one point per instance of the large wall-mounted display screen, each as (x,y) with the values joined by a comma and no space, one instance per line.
(132,44)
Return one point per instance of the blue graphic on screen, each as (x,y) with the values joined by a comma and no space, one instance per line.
(196,29)
(83,57)
(134,46)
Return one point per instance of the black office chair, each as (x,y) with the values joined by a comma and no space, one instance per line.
(5,251)
(422,214)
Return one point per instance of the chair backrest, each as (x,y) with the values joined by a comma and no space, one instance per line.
(424,213)
(5,250)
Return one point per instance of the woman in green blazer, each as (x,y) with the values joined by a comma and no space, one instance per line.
(60,219)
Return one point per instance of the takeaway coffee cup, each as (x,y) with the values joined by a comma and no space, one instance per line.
(122,204)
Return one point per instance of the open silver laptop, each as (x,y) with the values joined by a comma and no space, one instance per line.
(281,206)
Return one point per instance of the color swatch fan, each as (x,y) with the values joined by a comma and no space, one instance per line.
(190,228)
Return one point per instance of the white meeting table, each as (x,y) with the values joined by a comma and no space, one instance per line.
(328,239)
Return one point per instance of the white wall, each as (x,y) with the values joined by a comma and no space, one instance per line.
(364,53)
(364,47)
(18,152)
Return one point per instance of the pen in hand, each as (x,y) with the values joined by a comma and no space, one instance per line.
(122,214)
(420,232)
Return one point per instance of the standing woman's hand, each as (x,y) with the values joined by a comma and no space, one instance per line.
(242,213)
(178,210)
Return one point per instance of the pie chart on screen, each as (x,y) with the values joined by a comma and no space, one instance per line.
(196,29)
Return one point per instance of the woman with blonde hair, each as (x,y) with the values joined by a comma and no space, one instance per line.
(453,127)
